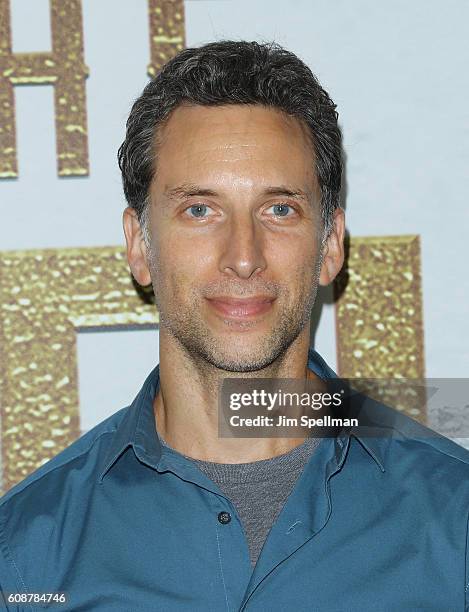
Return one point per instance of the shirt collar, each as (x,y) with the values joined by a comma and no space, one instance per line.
(137,428)
(372,444)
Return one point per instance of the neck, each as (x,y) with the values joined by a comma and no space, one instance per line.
(186,405)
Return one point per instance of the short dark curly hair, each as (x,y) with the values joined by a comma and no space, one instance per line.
(233,72)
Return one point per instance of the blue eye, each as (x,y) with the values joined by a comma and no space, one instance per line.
(281,210)
(198,210)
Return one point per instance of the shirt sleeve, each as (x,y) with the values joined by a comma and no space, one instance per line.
(10,580)
(466,585)
(3,603)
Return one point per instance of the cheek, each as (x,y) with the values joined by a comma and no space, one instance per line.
(293,258)
(182,264)
(187,247)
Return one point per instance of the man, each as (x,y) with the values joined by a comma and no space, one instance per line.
(231,167)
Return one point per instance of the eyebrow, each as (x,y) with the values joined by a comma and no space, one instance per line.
(283,190)
(189,190)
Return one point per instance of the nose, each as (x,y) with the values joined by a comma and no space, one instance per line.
(243,253)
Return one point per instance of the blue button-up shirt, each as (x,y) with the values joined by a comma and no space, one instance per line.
(119,522)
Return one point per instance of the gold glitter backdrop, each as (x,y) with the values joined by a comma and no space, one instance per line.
(64,68)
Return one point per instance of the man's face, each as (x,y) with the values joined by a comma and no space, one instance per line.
(235,232)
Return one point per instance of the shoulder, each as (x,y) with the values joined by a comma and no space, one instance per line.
(431,457)
(33,512)
(84,455)
(419,483)
(415,456)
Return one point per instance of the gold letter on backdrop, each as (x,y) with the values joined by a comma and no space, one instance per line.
(167,29)
(379,319)
(65,69)
(46,297)
(379,315)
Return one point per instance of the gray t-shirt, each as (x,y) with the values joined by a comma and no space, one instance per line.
(258,490)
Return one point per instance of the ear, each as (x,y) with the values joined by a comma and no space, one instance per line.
(333,249)
(136,247)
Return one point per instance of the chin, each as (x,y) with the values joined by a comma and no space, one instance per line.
(235,365)
(241,359)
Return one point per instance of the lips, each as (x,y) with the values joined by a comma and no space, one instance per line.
(241,307)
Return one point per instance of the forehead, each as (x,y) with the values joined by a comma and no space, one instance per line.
(249,141)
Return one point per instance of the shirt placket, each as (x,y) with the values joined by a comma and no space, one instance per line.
(232,551)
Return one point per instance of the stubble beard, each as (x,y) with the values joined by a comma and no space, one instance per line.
(181,319)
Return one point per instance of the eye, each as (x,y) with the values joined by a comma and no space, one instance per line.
(282,210)
(198,211)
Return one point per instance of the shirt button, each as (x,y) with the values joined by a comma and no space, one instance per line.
(224,517)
